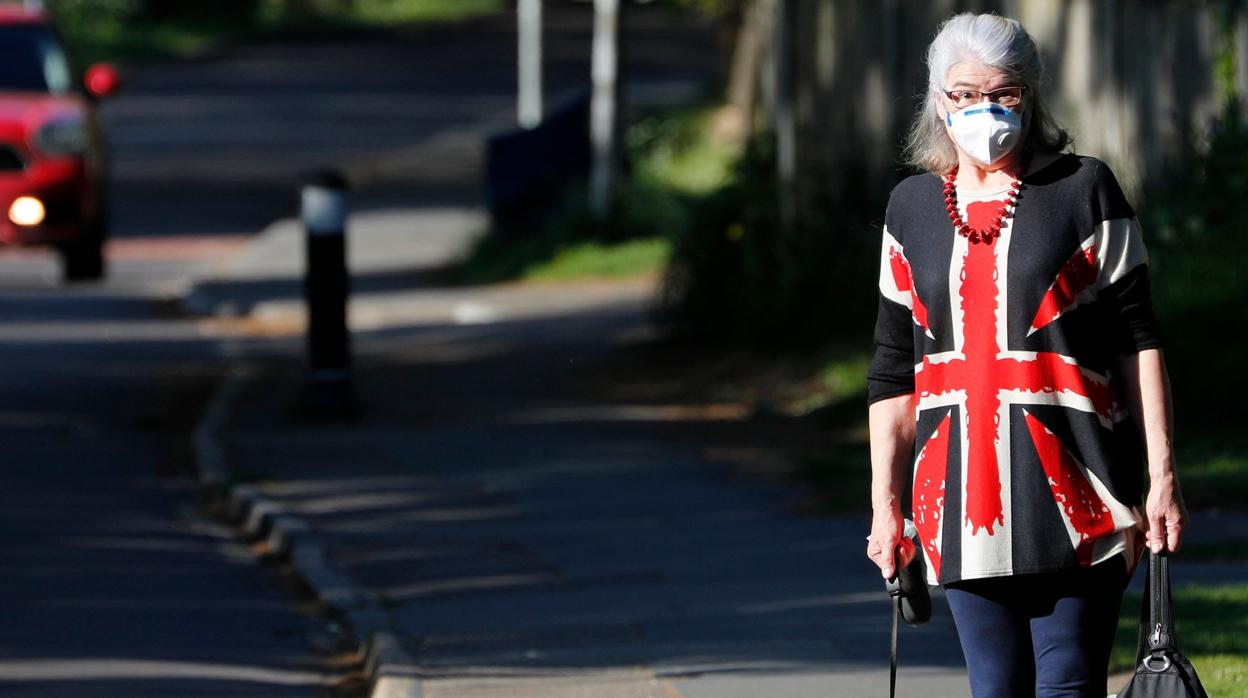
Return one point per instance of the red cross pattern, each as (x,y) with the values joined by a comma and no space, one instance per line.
(981,378)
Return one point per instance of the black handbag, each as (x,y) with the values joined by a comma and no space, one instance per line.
(1161,670)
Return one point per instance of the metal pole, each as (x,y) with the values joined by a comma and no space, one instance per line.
(529,19)
(328,392)
(604,116)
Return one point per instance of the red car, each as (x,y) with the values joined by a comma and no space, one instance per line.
(52,155)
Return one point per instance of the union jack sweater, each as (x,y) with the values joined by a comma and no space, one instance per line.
(1026,460)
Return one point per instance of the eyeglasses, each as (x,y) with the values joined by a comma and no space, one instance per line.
(1005,96)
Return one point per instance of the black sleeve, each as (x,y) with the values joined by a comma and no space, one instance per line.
(892,368)
(1128,300)
(1130,304)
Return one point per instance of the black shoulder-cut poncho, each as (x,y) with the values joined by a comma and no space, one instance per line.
(1025,458)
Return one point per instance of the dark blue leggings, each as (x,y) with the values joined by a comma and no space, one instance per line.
(1045,635)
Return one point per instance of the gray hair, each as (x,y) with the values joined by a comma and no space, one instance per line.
(997,42)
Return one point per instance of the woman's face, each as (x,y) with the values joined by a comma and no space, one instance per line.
(975,83)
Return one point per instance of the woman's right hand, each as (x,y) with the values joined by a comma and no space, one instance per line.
(887,536)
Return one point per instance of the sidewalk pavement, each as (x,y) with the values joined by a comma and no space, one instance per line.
(495,532)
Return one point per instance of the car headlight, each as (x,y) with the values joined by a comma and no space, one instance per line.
(64,137)
(27,211)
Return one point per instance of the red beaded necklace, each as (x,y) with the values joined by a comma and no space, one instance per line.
(994,229)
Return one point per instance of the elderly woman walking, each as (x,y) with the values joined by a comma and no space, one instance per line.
(1017,359)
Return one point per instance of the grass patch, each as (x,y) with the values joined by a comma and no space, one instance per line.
(391,13)
(593,260)
(1212,625)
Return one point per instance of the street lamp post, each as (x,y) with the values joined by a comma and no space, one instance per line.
(604,108)
(529,20)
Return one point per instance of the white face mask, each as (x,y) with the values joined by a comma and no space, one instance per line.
(985,131)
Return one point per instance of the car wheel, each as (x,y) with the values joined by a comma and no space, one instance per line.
(83,260)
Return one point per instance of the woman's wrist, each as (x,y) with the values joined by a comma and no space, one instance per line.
(1161,473)
(885,503)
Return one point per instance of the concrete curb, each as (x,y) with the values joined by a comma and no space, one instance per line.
(391,671)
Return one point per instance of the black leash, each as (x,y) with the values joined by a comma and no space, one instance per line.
(894,590)
(911,602)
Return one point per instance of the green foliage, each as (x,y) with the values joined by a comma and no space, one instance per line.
(1212,626)
(676,151)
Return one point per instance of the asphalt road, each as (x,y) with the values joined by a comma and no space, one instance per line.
(112,582)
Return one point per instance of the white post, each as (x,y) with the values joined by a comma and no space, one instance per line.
(603,108)
(529,20)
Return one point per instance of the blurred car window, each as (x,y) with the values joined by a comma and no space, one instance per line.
(33,61)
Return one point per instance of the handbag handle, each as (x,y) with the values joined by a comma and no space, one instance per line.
(1157,633)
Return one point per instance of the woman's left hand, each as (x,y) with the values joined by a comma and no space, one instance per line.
(1166,513)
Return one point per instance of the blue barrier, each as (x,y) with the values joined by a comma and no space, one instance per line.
(527,169)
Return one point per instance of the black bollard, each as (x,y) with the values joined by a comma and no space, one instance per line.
(328,392)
